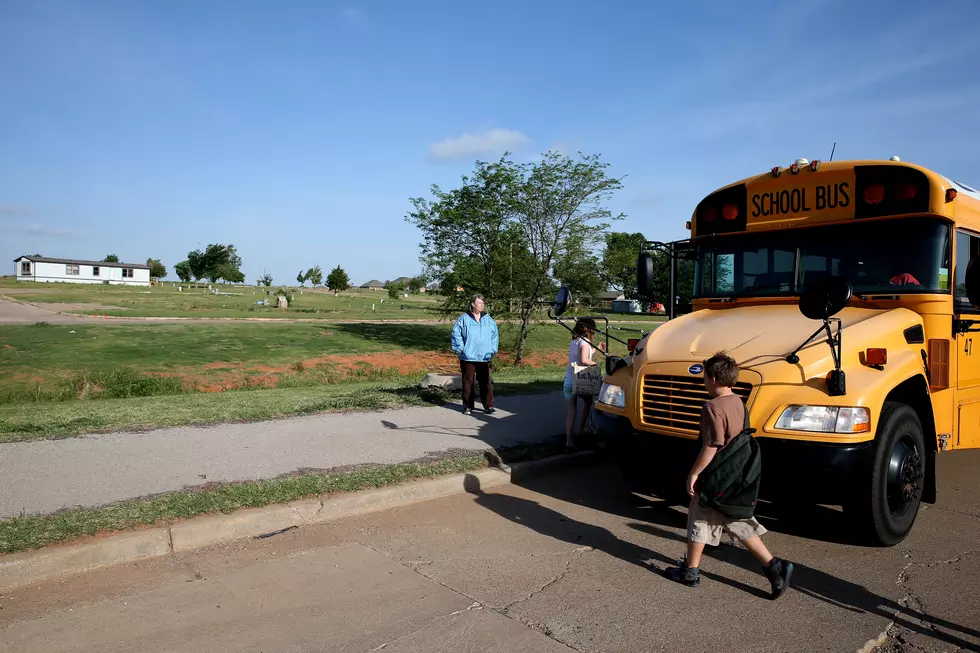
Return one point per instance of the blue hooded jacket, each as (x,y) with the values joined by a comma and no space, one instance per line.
(475,341)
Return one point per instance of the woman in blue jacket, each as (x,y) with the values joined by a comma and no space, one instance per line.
(474,340)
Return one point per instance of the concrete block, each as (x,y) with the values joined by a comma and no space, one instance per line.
(209,530)
(307,508)
(451,382)
(17,569)
(357,503)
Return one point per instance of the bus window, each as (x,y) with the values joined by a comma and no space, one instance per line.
(903,255)
(967,247)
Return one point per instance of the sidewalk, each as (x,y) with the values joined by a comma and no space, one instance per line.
(46,476)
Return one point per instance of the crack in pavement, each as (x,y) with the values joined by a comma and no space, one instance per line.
(541,628)
(475,606)
(549,554)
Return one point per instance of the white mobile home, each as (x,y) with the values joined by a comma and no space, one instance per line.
(38,268)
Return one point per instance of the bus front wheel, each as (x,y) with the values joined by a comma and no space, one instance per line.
(890,490)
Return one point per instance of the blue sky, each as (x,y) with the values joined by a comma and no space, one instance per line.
(298,131)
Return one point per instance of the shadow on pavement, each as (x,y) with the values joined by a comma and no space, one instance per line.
(553,524)
(838,592)
(655,518)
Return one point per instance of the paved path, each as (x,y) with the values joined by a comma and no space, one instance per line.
(45,476)
(570,562)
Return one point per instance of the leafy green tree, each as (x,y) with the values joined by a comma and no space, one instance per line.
(302,277)
(266,279)
(183,270)
(503,231)
(157,269)
(338,280)
(619,261)
(395,290)
(315,275)
(216,262)
(111,258)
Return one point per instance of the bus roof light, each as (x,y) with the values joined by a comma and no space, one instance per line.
(905,191)
(950,194)
(794,168)
(730,212)
(776,171)
(814,164)
(874,194)
(709,214)
(687,225)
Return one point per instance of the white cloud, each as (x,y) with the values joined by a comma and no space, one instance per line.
(494,141)
(40,230)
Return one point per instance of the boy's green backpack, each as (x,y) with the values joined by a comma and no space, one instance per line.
(730,482)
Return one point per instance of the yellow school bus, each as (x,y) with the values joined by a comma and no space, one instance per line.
(842,290)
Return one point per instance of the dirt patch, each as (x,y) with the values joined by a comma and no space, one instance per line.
(6,346)
(219,366)
(335,368)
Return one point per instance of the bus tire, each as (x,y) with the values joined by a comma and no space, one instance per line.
(890,489)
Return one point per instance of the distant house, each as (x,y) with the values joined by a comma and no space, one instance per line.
(401,281)
(374,284)
(607,298)
(66,270)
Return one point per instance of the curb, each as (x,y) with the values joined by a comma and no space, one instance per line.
(26,567)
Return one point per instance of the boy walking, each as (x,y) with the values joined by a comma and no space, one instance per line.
(722,418)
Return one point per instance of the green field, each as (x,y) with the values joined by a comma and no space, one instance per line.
(59,380)
(240,302)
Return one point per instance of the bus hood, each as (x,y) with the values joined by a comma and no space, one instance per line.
(759,337)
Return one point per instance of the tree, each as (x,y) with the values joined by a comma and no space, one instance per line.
(415,284)
(395,289)
(198,264)
(157,269)
(111,258)
(338,280)
(503,232)
(619,261)
(301,277)
(183,270)
(265,279)
(216,262)
(559,207)
(315,275)
(465,234)
(581,271)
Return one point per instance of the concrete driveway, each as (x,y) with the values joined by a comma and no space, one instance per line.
(570,562)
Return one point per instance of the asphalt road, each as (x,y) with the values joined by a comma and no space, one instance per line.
(569,562)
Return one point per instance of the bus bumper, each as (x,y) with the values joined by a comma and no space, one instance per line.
(791,470)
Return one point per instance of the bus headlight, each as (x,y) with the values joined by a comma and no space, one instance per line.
(612,395)
(825,419)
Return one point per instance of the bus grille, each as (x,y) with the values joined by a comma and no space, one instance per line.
(675,401)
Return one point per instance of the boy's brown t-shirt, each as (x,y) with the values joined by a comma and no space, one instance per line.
(722,418)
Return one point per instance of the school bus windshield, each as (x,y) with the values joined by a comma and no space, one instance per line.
(906,255)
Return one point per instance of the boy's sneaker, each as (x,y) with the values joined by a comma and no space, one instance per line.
(490,411)
(684,575)
(779,572)
(467,411)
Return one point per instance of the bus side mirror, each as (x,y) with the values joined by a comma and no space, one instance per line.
(973,281)
(644,274)
(562,301)
(825,298)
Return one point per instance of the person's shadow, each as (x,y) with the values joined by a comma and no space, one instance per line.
(554,524)
(841,593)
(651,516)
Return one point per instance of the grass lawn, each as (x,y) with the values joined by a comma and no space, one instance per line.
(22,422)
(60,380)
(240,302)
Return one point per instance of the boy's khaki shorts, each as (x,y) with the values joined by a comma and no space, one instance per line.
(705,525)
